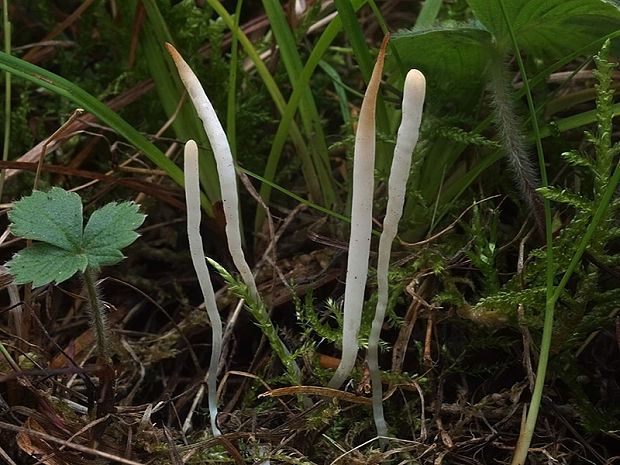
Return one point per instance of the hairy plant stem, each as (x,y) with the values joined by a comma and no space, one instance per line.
(513,140)
(527,428)
(98,320)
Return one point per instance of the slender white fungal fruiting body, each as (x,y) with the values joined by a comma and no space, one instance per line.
(300,7)
(408,132)
(230,203)
(225,167)
(361,224)
(192,200)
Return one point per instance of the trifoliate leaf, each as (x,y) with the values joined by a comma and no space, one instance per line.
(54,217)
(109,229)
(43,263)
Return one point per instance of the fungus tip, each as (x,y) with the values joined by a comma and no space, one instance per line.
(415,88)
(176,56)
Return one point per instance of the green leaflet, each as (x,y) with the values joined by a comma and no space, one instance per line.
(54,217)
(109,229)
(43,263)
(453,59)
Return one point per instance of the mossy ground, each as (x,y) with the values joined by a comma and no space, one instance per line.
(459,353)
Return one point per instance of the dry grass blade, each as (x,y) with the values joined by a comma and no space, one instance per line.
(56,135)
(317,391)
(115,104)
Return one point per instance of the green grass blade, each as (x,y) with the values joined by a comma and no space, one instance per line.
(532,414)
(294,196)
(573,121)
(542,76)
(454,190)
(585,240)
(299,87)
(392,50)
(300,199)
(65,88)
(310,117)
(186,125)
(428,14)
(353,30)
(272,87)
(379,17)
(447,155)
(340,88)
(231,101)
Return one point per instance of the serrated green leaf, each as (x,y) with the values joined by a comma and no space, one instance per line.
(548,28)
(54,217)
(452,58)
(108,230)
(43,263)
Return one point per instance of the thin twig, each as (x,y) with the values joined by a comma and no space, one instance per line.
(56,135)
(70,445)
(447,228)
